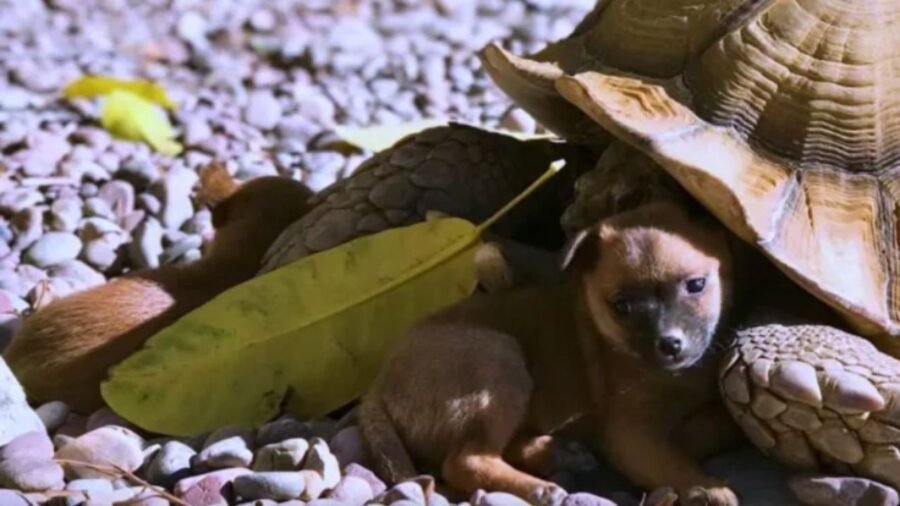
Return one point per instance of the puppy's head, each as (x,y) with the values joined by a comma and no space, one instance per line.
(250,216)
(655,281)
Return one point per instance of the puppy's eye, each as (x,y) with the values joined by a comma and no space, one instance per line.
(695,285)
(621,306)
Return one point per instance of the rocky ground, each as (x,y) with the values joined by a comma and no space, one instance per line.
(261,85)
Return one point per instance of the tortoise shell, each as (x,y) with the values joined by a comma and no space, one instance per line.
(781,116)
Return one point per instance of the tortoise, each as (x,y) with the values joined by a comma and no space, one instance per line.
(782,118)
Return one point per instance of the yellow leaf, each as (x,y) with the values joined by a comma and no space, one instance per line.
(129,116)
(378,138)
(311,334)
(95,86)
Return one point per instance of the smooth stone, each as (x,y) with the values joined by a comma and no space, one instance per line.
(842,491)
(66,213)
(99,254)
(35,445)
(496,499)
(53,414)
(208,491)
(175,195)
(222,477)
(406,490)
(82,275)
(352,490)
(146,249)
(262,110)
(119,197)
(16,416)
(170,464)
(278,485)
(53,248)
(287,455)
(585,499)
(31,475)
(14,498)
(320,460)
(18,199)
(231,452)
(90,485)
(139,172)
(378,487)
(107,446)
(349,446)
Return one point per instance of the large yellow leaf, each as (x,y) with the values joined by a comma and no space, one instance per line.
(129,116)
(312,333)
(380,137)
(96,86)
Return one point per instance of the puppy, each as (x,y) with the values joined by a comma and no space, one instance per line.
(478,391)
(63,351)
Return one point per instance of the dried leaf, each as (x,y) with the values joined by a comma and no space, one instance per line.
(129,116)
(96,86)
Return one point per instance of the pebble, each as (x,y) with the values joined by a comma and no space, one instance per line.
(230,452)
(31,475)
(278,485)
(175,195)
(287,455)
(53,414)
(107,446)
(378,487)
(53,248)
(146,249)
(220,477)
(585,499)
(842,491)
(320,460)
(349,446)
(16,417)
(35,445)
(263,110)
(66,213)
(352,490)
(170,464)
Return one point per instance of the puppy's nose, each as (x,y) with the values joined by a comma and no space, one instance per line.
(670,346)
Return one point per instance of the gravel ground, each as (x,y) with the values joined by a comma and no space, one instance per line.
(260,84)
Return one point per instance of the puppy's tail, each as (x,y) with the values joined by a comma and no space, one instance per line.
(392,461)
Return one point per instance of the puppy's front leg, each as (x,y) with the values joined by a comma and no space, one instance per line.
(640,447)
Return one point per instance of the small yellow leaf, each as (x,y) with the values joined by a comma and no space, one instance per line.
(378,138)
(309,336)
(129,116)
(95,86)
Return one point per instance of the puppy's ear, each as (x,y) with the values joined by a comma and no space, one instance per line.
(216,184)
(585,243)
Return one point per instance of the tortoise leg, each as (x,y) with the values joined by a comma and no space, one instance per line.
(815,396)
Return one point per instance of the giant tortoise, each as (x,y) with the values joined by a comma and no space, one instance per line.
(782,118)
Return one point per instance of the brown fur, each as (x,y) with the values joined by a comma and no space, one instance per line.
(479,391)
(63,351)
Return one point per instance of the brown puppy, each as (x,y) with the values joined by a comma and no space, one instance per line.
(482,386)
(63,351)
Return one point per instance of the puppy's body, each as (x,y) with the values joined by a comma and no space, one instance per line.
(477,390)
(64,350)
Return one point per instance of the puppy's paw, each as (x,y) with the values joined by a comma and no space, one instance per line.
(711,496)
(548,495)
